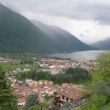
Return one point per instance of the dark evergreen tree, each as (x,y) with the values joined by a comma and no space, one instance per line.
(31,100)
(8,100)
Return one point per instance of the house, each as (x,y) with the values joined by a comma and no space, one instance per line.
(21,101)
(44,82)
(70,93)
(30,82)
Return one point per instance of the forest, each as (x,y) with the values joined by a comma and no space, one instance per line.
(71,75)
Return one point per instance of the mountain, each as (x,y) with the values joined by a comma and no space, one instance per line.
(62,37)
(103,45)
(19,35)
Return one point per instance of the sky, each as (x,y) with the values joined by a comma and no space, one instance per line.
(88,20)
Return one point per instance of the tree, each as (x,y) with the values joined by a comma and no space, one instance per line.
(32,100)
(8,100)
(36,107)
(40,106)
(103,67)
(71,75)
(100,89)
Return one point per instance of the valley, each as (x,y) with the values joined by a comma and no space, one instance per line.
(54,55)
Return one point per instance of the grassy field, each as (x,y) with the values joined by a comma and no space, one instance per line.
(9,67)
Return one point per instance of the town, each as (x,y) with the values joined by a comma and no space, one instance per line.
(54,55)
(74,94)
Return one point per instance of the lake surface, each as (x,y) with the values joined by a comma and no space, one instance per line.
(80,55)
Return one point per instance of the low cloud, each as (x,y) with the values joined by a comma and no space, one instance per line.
(75,9)
(89,20)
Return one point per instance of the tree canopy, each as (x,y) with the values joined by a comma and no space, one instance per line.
(31,100)
(100,89)
(8,100)
(71,75)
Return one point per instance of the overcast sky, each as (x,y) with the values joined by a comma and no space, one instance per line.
(89,20)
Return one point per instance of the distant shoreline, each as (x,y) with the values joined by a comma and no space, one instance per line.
(79,55)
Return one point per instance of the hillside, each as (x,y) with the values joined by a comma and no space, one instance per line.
(103,45)
(19,35)
(62,37)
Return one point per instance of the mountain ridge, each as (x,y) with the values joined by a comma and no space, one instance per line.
(19,35)
(55,31)
(103,44)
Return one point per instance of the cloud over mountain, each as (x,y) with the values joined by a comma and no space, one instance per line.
(75,9)
(92,13)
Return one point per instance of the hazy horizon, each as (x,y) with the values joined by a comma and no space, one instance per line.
(87,20)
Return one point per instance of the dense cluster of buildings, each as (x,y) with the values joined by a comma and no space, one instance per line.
(65,93)
(51,65)
(72,93)
(9,60)
(55,66)
(13,73)
(28,87)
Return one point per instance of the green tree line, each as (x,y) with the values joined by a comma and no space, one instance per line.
(71,75)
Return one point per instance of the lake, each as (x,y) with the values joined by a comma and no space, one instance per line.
(80,55)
